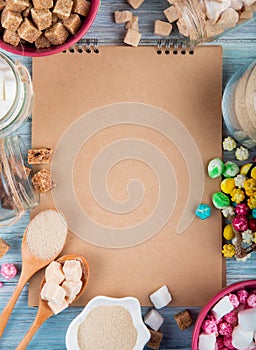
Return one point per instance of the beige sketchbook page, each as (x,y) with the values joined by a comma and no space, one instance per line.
(133,132)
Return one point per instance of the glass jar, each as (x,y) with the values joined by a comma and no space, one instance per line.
(239,105)
(17,193)
(200,21)
(16,95)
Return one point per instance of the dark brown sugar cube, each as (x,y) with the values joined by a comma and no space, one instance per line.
(10,19)
(72,23)
(42,42)
(56,34)
(55,19)
(28,31)
(42,4)
(4,247)
(2,5)
(81,7)
(183,319)
(63,8)
(39,155)
(155,339)
(42,181)
(17,5)
(11,37)
(41,18)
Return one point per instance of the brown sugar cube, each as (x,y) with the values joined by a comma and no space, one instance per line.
(162,28)
(246,15)
(135,3)
(55,19)
(42,4)
(10,19)
(2,5)
(183,319)
(72,23)
(133,23)
(123,16)
(11,37)
(26,12)
(81,7)
(56,34)
(39,155)
(228,19)
(181,25)
(42,42)
(17,5)
(28,31)
(41,18)
(4,247)
(212,30)
(132,37)
(155,339)
(63,8)
(171,14)
(42,181)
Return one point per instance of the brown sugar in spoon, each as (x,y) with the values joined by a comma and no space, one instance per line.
(52,220)
(44,311)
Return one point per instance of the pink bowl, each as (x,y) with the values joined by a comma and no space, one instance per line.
(249,284)
(24,50)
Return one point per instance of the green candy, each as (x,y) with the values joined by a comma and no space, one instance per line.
(215,168)
(220,200)
(230,169)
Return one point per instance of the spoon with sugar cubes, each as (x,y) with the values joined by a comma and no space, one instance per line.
(43,240)
(64,282)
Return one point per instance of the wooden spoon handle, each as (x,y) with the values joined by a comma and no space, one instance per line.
(5,315)
(30,333)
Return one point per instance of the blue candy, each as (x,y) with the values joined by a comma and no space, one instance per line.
(203,211)
(254,213)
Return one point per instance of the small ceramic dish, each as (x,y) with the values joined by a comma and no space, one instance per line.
(130,303)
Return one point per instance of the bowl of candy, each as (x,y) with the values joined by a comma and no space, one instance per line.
(44,27)
(228,321)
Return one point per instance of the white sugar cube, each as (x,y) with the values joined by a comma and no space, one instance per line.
(153,319)
(54,272)
(241,339)
(247,319)
(72,270)
(223,307)
(72,289)
(207,341)
(161,297)
(58,308)
(53,292)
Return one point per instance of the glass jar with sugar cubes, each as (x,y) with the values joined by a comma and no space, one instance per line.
(16,95)
(17,193)
(239,105)
(204,20)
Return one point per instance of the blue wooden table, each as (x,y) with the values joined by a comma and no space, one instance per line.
(239,47)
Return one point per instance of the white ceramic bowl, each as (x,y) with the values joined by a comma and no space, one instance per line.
(130,303)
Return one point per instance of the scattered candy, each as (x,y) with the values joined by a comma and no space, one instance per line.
(228,211)
(225,328)
(230,169)
(242,209)
(242,153)
(203,211)
(229,144)
(215,168)
(8,271)
(237,195)
(245,168)
(234,300)
(161,297)
(209,327)
(231,317)
(153,319)
(252,224)
(239,180)
(254,213)
(240,223)
(220,200)
(247,236)
(227,185)
(228,250)
(242,296)
(228,232)
(251,301)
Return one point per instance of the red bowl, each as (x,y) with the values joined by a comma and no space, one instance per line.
(249,284)
(24,50)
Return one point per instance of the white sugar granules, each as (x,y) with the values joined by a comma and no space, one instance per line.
(46,234)
(107,327)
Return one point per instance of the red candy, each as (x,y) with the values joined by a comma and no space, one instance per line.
(251,301)
(227,341)
(242,209)
(231,318)
(234,300)
(242,296)
(225,328)
(8,271)
(240,223)
(252,224)
(209,327)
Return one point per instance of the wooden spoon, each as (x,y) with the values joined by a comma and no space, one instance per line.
(30,265)
(44,312)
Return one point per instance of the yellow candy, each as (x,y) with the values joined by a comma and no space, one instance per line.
(253,173)
(237,195)
(228,250)
(228,232)
(227,185)
(250,187)
(245,168)
(252,202)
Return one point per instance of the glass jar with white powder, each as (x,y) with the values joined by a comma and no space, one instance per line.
(239,106)
(16,95)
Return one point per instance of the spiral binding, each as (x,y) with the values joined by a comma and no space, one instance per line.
(84,46)
(174,46)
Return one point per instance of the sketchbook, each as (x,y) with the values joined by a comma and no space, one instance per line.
(133,130)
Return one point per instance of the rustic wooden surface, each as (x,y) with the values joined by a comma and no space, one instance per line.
(239,47)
